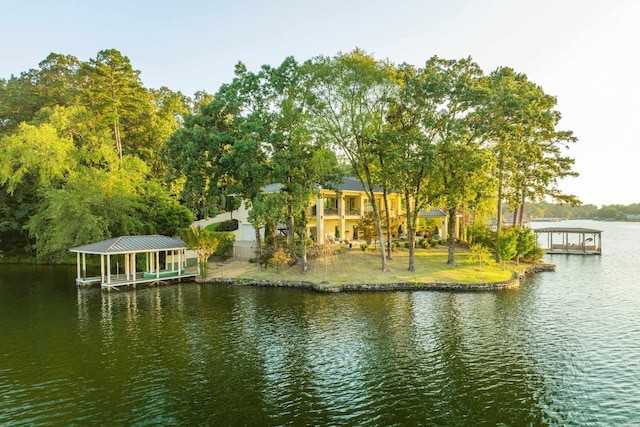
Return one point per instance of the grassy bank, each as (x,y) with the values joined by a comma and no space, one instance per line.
(355,266)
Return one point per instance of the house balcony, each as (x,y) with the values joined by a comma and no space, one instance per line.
(330,212)
(352,212)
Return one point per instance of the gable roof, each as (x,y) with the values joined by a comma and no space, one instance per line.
(433,213)
(131,244)
(346,184)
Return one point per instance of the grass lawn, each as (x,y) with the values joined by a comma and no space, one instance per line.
(356,266)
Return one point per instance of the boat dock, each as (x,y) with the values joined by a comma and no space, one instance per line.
(164,260)
(571,241)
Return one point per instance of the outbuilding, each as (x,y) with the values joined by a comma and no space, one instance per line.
(164,258)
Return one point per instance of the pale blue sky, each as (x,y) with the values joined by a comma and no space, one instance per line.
(583,52)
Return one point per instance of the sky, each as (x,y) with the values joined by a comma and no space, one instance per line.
(586,53)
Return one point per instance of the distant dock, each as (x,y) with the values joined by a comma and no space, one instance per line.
(570,240)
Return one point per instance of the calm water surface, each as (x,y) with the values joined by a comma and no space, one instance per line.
(564,349)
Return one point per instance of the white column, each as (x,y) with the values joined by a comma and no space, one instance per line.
(157,265)
(101,268)
(127,262)
(78,265)
(108,269)
(132,258)
(342,220)
(84,265)
(320,219)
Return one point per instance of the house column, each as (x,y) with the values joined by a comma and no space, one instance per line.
(127,263)
(320,219)
(84,265)
(342,220)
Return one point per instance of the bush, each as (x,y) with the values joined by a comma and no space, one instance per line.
(534,255)
(364,247)
(481,234)
(227,239)
(229,225)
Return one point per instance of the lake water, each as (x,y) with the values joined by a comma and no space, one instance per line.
(563,349)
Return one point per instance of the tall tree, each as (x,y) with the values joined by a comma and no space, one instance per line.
(350,99)
(114,91)
(528,149)
(460,155)
(411,138)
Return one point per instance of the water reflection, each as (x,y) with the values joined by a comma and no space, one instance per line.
(559,350)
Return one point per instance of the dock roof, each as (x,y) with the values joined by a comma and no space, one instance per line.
(566,230)
(131,244)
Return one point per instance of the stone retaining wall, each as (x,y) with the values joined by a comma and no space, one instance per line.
(402,286)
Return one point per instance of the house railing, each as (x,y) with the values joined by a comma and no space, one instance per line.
(352,212)
(330,211)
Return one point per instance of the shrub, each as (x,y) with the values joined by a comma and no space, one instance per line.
(534,255)
(229,225)
(227,239)
(364,247)
(280,257)
(481,234)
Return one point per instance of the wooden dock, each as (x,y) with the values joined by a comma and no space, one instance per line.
(118,280)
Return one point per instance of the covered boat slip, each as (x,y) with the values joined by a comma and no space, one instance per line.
(164,259)
(569,240)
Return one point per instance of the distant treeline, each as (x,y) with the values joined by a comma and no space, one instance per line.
(606,212)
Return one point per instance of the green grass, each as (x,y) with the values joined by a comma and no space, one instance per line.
(355,266)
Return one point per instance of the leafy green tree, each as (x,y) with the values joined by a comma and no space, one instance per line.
(37,151)
(350,94)
(529,150)
(506,246)
(115,93)
(526,242)
(460,157)
(481,255)
(205,245)
(410,145)
(56,82)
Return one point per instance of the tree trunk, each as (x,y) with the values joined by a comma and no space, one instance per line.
(499,219)
(291,231)
(411,227)
(376,214)
(451,258)
(387,223)
(258,247)
(522,202)
(303,238)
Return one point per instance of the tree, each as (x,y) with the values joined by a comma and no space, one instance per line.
(115,93)
(521,120)
(526,242)
(205,245)
(506,246)
(460,157)
(410,147)
(350,93)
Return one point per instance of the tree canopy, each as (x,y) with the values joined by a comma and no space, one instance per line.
(87,152)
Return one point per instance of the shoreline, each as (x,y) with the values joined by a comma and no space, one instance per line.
(397,286)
